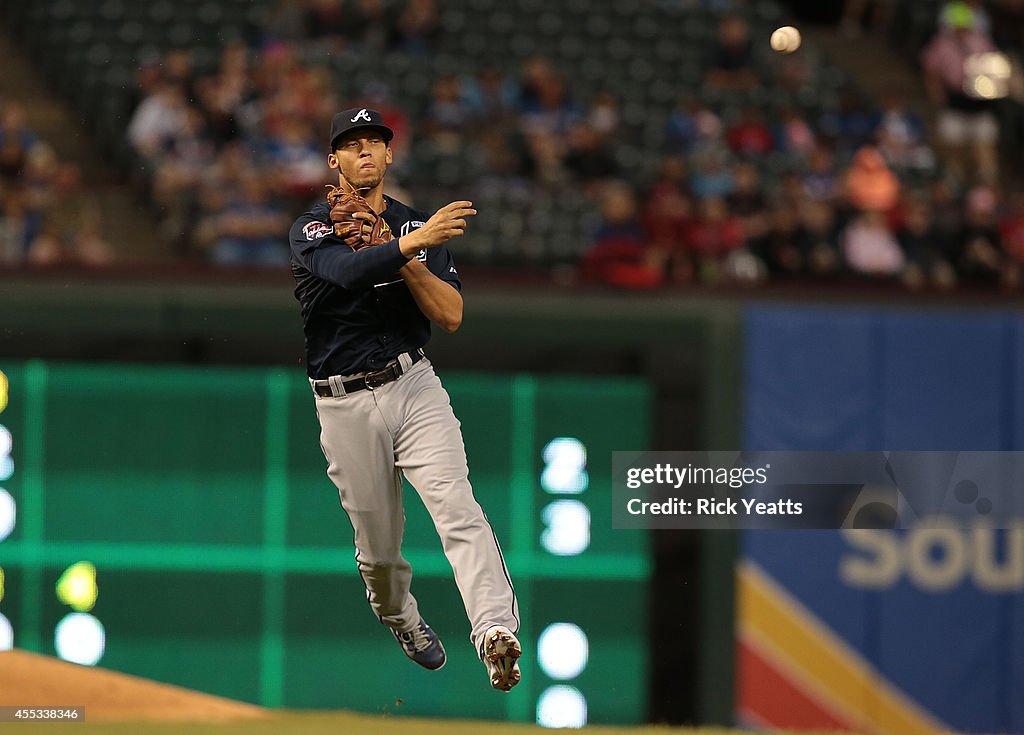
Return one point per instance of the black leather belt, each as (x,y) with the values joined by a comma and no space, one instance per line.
(369,380)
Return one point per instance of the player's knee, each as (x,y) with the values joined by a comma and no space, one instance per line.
(380,562)
(457,516)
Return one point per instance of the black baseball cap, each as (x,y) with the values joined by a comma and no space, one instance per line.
(356,119)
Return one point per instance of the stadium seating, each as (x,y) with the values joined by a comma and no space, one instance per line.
(648,55)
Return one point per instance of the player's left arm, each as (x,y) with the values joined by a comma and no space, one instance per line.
(438,298)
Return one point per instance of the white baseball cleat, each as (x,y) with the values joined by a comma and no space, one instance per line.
(500,652)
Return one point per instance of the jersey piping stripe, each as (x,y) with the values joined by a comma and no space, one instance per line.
(368,601)
(508,578)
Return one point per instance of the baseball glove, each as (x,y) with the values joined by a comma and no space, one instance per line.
(357,232)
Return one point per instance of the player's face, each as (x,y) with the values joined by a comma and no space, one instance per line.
(362,159)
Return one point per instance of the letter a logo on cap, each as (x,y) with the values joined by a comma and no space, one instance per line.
(361,115)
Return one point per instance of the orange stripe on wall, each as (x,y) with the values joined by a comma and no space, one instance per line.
(775,700)
(849,706)
(770,617)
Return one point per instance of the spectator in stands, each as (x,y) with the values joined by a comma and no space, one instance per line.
(545,157)
(947,215)
(14,125)
(218,103)
(951,12)
(788,190)
(714,237)
(967,125)
(979,255)
(870,248)
(619,253)
(819,246)
(731,58)
(750,135)
(14,224)
(293,90)
(747,202)
(712,173)
(284,88)
(668,207)
(603,115)
(545,104)
(901,137)
(537,73)
(868,243)
(491,95)
(370,25)
(821,181)
(220,97)
(296,156)
(377,95)
(178,69)
(149,77)
(157,121)
(919,240)
(747,194)
(870,184)
(1011,231)
(71,230)
(691,125)
(781,248)
(793,73)
(16,140)
(448,116)
(231,166)
(186,156)
(417,27)
(506,161)
(326,24)
(251,229)
(547,114)
(235,60)
(41,167)
(1011,225)
(851,126)
(793,134)
(589,157)
(12,159)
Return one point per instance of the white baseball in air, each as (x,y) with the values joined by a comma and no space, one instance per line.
(785,40)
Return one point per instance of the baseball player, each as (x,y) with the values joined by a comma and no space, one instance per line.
(371,275)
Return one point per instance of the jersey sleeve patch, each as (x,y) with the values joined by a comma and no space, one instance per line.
(316,230)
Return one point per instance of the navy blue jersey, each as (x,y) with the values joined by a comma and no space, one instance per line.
(357,312)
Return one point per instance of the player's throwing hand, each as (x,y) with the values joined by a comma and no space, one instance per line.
(448,222)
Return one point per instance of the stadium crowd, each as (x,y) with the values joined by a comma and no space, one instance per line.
(46,216)
(864,191)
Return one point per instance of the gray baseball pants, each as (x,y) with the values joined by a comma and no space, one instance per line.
(371,438)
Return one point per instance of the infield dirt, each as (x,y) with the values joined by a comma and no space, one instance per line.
(28,679)
(119,704)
